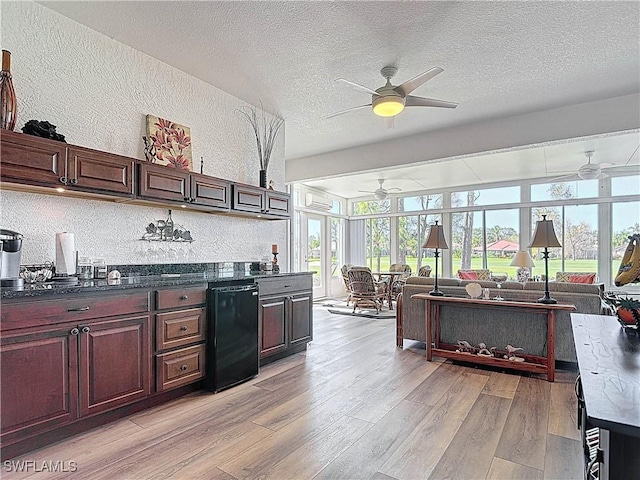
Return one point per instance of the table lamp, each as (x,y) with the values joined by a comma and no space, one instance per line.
(523,260)
(436,241)
(545,237)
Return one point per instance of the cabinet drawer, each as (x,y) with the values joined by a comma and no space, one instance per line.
(75,309)
(175,329)
(180,367)
(284,285)
(180,297)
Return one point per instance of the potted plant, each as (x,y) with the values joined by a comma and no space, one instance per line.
(628,311)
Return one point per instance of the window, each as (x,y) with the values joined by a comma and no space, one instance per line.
(337,227)
(503,240)
(371,207)
(624,223)
(377,237)
(629,185)
(467,242)
(412,233)
(488,196)
(564,190)
(423,202)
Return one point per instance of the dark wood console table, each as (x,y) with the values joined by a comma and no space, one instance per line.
(608,390)
(532,363)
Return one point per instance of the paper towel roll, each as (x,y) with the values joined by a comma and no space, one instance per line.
(65,254)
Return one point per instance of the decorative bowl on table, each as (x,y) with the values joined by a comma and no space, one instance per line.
(474,290)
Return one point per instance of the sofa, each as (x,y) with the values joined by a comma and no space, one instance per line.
(494,326)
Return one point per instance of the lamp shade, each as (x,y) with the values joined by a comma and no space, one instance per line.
(388,106)
(522,259)
(436,237)
(545,235)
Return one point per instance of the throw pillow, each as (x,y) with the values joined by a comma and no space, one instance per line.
(583,278)
(467,275)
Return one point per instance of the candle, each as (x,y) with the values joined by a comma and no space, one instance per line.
(274,248)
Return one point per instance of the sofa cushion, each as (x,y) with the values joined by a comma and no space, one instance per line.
(482,274)
(470,275)
(579,278)
(566,276)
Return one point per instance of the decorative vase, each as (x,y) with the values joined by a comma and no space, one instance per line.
(263,178)
(7,94)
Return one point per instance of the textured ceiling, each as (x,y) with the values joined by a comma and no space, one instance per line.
(500,59)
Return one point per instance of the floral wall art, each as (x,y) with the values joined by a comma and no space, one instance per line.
(170,143)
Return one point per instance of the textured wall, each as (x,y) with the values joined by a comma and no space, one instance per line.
(98,92)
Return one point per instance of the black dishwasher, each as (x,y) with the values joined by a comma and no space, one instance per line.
(232,338)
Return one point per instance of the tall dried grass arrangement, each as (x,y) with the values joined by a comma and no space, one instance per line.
(265,131)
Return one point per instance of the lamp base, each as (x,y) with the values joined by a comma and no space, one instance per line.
(436,293)
(548,300)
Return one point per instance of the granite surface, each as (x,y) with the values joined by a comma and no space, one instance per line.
(148,276)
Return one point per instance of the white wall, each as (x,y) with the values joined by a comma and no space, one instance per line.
(97,92)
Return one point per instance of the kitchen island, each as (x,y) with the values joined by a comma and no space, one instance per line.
(78,356)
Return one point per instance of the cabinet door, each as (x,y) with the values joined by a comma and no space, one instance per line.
(277,203)
(93,170)
(210,191)
(115,363)
(32,160)
(273,332)
(247,199)
(39,376)
(301,319)
(164,183)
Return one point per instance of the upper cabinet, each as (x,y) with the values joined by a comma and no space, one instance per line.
(39,162)
(34,161)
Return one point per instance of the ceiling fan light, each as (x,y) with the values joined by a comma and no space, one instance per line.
(388,106)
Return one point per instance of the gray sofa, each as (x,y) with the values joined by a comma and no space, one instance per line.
(496,326)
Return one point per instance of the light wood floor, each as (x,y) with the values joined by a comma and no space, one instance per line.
(354,406)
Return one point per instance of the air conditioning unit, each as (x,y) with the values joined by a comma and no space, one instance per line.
(312,200)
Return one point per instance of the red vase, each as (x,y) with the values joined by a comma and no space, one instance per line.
(7,94)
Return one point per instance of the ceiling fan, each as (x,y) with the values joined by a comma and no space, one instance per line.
(389,100)
(591,171)
(381,193)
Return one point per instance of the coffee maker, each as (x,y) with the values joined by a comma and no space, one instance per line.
(10,251)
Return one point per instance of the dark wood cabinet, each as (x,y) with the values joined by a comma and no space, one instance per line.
(41,162)
(114,363)
(181,326)
(273,330)
(39,376)
(285,315)
(34,163)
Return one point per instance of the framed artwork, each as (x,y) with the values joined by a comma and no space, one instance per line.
(169,143)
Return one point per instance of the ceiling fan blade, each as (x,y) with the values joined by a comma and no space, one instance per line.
(410,85)
(565,178)
(365,191)
(628,169)
(347,110)
(357,86)
(412,101)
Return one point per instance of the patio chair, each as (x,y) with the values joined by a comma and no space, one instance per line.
(400,280)
(345,278)
(365,291)
(424,271)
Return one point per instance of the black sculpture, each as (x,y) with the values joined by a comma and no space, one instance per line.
(42,129)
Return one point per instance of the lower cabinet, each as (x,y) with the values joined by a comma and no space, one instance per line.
(59,374)
(286,319)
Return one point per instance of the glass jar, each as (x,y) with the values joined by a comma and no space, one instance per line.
(99,268)
(85,268)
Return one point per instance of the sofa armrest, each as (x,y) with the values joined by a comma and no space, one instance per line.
(399,337)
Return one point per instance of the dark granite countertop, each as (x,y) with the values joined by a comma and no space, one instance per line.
(138,281)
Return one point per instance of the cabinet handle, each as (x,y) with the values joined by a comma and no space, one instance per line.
(187,199)
(288,286)
(184,297)
(78,309)
(63,180)
(74,181)
(192,200)
(74,331)
(86,329)
(184,328)
(183,367)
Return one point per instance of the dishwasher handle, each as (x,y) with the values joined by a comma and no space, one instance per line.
(237,288)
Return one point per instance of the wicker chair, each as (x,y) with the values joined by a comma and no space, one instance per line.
(345,278)
(400,280)
(365,291)
(424,271)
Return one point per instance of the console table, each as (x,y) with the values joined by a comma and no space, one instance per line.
(608,390)
(532,363)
